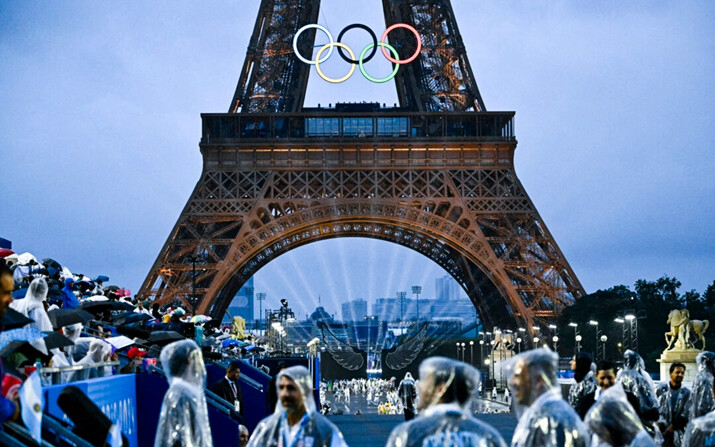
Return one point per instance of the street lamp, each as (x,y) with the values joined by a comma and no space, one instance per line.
(633,323)
(594,323)
(518,341)
(555,339)
(576,336)
(457,350)
(471,352)
(463,349)
(578,343)
(417,290)
(604,339)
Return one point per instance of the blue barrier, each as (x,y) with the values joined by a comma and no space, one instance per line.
(133,402)
(254,400)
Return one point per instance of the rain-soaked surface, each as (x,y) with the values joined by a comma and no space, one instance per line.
(372,429)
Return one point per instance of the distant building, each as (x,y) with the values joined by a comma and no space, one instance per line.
(242,304)
(447,288)
(355,310)
(461,309)
(394,309)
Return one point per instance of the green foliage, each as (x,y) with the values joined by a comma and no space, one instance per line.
(650,303)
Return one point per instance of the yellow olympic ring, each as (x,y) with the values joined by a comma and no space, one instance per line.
(317,62)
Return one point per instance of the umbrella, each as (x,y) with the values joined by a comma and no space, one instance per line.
(200,319)
(97,298)
(102,278)
(131,317)
(22,347)
(111,288)
(102,306)
(120,341)
(14,319)
(65,317)
(164,337)
(123,292)
(134,330)
(25,258)
(19,293)
(84,285)
(23,334)
(231,342)
(254,348)
(51,263)
(4,252)
(56,340)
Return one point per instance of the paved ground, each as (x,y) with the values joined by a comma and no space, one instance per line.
(372,430)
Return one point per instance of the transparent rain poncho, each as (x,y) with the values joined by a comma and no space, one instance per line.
(700,431)
(447,389)
(184,419)
(585,382)
(313,429)
(99,351)
(32,307)
(407,391)
(545,419)
(701,398)
(614,421)
(635,379)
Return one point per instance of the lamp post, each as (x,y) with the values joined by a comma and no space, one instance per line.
(555,339)
(463,350)
(417,290)
(260,296)
(621,321)
(604,339)
(401,296)
(471,352)
(578,343)
(457,350)
(577,348)
(633,326)
(518,343)
(594,323)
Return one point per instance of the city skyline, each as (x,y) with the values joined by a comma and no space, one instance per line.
(613,117)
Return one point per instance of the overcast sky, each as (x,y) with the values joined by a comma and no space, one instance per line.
(100,126)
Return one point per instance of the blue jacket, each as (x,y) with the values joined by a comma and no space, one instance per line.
(69,300)
(7,407)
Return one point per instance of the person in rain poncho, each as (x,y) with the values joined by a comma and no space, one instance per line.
(636,380)
(701,397)
(295,421)
(99,352)
(585,380)
(446,388)
(545,419)
(408,394)
(615,423)
(674,401)
(69,300)
(701,431)
(184,419)
(32,305)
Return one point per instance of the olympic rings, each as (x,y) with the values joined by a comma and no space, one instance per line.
(363,58)
(295,42)
(361,26)
(362,68)
(417,36)
(317,64)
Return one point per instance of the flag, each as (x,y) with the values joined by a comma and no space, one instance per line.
(32,403)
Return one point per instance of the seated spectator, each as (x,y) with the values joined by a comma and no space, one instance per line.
(136,357)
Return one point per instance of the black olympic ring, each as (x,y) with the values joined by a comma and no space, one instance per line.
(374,42)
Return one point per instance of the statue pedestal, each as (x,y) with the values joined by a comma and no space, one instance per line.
(684,356)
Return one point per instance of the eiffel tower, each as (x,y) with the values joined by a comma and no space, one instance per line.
(435,174)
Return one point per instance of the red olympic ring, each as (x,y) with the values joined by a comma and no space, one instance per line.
(383,39)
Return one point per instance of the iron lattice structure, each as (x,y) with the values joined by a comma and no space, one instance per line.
(435,174)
